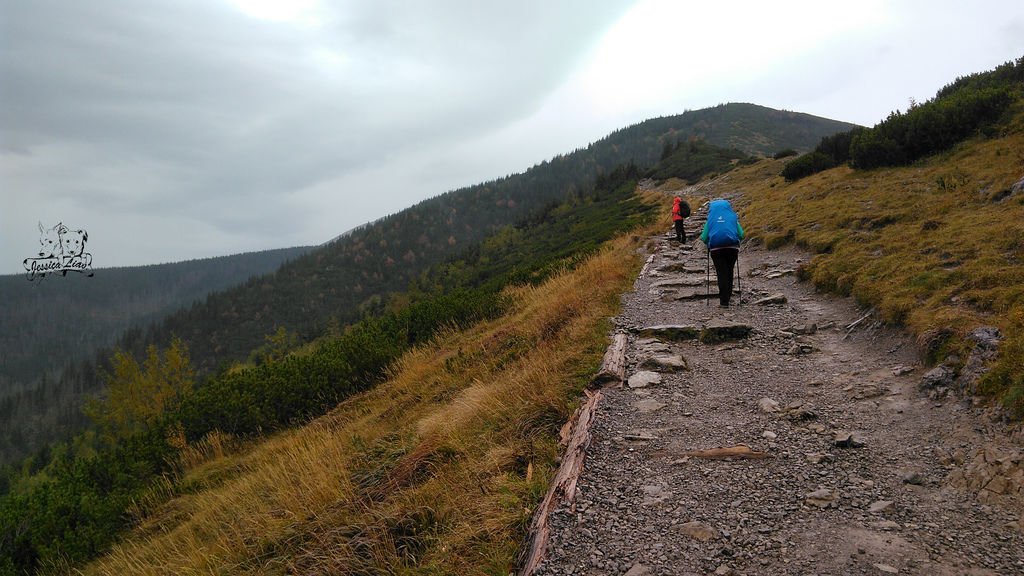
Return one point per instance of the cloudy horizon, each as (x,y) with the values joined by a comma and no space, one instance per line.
(173,130)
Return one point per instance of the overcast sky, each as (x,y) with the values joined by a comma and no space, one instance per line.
(178,129)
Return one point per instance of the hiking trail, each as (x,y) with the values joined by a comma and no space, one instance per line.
(790,433)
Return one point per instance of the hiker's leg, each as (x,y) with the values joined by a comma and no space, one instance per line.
(729,257)
(680,232)
(721,268)
(725,260)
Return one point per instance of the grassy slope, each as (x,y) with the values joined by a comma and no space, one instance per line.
(929,246)
(438,468)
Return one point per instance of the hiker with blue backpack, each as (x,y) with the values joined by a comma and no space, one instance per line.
(722,234)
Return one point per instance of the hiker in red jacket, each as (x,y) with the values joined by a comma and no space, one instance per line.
(680,210)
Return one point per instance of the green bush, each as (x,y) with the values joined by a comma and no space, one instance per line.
(871,149)
(784,153)
(931,127)
(967,107)
(810,163)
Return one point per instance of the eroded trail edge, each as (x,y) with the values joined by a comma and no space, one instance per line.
(787,435)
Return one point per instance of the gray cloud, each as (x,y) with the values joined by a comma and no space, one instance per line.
(194,110)
(175,129)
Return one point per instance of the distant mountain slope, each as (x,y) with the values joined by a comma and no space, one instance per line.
(751,128)
(357,271)
(361,267)
(51,323)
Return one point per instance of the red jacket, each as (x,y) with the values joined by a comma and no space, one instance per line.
(675,209)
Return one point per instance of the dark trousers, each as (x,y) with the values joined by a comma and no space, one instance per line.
(725,263)
(680,231)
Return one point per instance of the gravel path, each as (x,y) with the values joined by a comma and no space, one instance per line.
(850,467)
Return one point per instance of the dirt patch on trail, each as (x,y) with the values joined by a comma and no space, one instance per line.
(856,471)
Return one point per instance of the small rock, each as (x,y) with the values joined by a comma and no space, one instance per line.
(1017,188)
(644,379)
(886,568)
(801,414)
(655,494)
(845,439)
(822,498)
(649,405)
(778,298)
(769,435)
(913,477)
(881,507)
(901,370)
(885,525)
(723,570)
(817,457)
(940,376)
(816,427)
(699,530)
(768,405)
(804,330)
(638,570)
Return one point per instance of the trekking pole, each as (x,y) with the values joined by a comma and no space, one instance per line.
(739,285)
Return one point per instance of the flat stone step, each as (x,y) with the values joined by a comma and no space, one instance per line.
(681,267)
(721,331)
(675,332)
(678,283)
(699,294)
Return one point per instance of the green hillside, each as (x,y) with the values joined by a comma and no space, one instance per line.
(76,505)
(419,437)
(51,325)
(355,274)
(358,271)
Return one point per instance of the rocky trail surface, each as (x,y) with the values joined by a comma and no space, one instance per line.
(790,433)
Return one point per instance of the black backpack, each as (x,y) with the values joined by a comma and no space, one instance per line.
(684,209)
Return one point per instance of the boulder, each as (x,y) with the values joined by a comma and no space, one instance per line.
(940,376)
(986,341)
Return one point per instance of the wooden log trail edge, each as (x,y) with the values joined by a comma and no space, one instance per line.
(576,434)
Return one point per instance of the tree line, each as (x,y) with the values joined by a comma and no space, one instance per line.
(972,105)
(358,273)
(74,507)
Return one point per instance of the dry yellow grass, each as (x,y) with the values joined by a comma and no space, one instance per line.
(438,468)
(931,246)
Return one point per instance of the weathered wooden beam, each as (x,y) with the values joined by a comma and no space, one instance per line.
(563,486)
(613,367)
